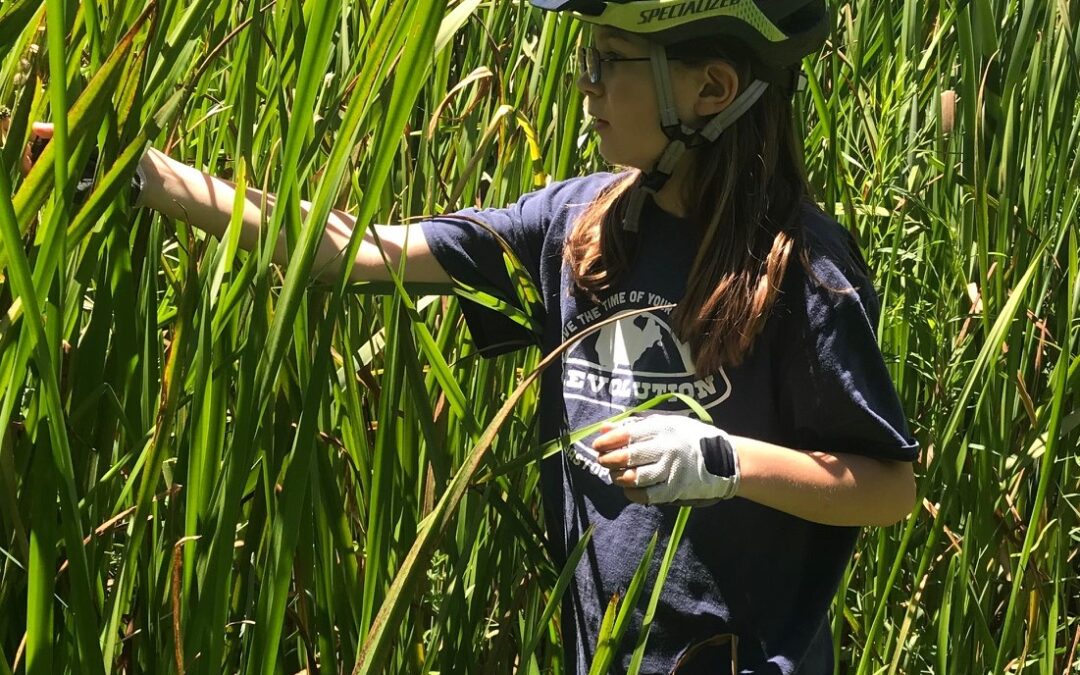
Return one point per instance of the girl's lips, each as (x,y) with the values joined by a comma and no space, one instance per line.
(600,124)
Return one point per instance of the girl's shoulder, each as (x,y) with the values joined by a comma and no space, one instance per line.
(550,212)
(570,192)
(829,247)
(826,270)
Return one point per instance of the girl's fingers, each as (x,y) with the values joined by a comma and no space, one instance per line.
(611,440)
(608,426)
(615,459)
(42,131)
(624,477)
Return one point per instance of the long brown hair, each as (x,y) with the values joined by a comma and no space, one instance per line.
(743,196)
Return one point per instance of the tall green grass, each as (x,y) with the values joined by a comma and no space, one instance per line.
(209,464)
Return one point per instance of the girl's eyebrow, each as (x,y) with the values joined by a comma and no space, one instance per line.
(602,32)
(610,39)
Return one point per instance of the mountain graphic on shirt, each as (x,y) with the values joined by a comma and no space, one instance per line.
(631,343)
(634,359)
(626,363)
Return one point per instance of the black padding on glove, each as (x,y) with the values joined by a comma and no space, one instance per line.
(719,456)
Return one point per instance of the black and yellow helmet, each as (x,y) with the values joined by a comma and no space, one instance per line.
(776,34)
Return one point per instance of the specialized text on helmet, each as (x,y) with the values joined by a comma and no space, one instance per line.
(684,8)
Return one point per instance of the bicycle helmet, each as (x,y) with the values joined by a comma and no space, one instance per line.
(777,34)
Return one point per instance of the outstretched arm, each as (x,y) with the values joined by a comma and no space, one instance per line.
(206,202)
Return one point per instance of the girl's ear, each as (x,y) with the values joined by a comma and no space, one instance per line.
(719,87)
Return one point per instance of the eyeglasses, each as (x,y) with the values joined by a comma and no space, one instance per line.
(590,62)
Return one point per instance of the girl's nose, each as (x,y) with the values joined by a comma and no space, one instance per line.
(585,86)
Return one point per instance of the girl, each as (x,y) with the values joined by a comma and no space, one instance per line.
(756,304)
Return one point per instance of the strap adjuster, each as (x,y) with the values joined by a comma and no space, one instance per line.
(799,80)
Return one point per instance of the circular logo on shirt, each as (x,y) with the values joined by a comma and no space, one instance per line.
(626,363)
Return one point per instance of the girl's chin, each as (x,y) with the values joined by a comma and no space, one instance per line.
(620,160)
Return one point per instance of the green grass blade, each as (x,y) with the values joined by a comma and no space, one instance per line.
(613,630)
(658,587)
(557,592)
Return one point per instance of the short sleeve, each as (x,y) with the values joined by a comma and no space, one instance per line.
(833,387)
(472,254)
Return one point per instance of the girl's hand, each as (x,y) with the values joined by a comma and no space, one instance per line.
(669,458)
(43,131)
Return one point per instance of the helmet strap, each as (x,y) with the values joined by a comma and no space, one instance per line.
(681,137)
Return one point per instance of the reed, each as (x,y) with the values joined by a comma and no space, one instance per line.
(211,464)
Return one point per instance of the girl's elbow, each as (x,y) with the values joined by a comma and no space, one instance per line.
(903,490)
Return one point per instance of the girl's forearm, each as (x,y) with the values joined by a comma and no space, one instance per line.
(834,489)
(206,202)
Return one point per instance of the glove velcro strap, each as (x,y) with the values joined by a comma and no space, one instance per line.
(719,455)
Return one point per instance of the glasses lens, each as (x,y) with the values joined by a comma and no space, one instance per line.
(588,62)
(592,63)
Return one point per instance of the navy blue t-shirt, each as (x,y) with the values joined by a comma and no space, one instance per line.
(815,380)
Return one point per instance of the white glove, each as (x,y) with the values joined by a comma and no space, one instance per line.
(676,459)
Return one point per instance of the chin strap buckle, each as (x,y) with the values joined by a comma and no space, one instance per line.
(682,137)
(798,81)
